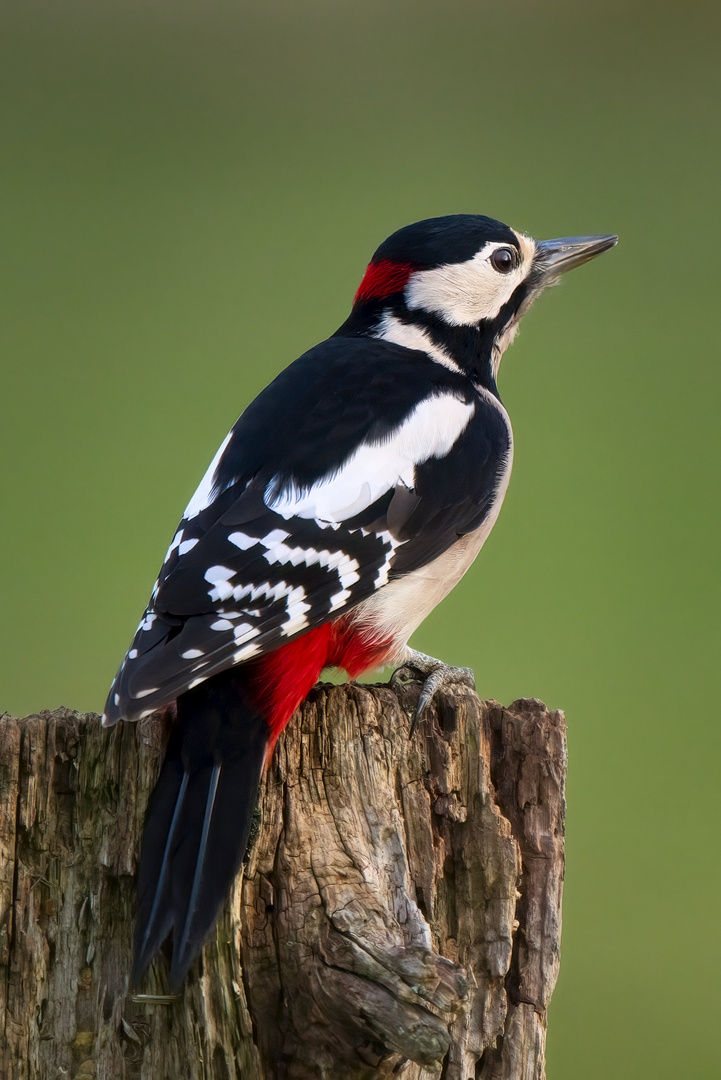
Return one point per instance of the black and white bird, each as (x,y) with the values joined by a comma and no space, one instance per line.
(346,502)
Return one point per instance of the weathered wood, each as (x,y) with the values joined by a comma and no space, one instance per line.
(399,913)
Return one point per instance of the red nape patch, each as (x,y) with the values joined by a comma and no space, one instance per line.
(383,279)
(280,681)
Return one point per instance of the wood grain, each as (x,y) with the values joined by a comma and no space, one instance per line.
(399,912)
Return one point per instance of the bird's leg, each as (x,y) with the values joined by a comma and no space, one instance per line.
(435,675)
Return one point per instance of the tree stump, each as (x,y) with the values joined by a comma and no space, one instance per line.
(399,912)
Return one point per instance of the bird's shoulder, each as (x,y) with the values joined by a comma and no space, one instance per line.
(315,412)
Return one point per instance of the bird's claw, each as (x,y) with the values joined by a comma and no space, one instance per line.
(435,675)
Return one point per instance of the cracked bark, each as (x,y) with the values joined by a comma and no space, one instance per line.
(399,913)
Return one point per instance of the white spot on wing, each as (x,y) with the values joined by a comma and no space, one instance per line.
(175,542)
(275,537)
(294,626)
(191,654)
(382,575)
(245,653)
(186,546)
(351,575)
(384,569)
(242,541)
(219,576)
(332,560)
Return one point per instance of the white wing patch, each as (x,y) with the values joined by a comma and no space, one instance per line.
(220,578)
(429,431)
(205,494)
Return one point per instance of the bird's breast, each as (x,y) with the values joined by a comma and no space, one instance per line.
(397,609)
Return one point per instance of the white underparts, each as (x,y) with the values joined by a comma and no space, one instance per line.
(395,611)
(503,342)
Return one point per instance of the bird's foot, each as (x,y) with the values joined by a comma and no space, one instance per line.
(435,676)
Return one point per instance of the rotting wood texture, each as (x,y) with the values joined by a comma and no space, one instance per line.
(399,914)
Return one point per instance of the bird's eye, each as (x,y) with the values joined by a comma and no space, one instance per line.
(503,260)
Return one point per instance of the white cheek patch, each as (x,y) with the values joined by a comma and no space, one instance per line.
(464,293)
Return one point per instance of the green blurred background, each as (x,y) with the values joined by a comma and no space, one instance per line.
(190,194)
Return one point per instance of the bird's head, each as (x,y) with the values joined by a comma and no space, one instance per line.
(457,286)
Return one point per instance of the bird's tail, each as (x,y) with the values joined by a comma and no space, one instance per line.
(196,828)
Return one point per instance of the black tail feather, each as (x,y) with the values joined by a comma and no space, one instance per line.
(185,938)
(198,820)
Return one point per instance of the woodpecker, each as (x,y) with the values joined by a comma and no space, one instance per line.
(346,502)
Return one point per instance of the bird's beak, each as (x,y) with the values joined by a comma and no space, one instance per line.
(555,257)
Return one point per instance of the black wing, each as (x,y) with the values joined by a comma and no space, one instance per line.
(361,462)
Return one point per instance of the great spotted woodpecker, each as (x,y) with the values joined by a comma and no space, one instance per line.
(346,502)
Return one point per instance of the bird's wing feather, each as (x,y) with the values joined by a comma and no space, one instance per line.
(272,545)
